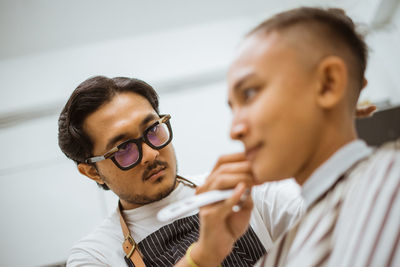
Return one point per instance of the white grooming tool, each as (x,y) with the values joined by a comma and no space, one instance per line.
(179,208)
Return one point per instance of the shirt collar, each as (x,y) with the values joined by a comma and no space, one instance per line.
(325,176)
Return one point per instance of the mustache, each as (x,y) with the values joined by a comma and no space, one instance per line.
(152,166)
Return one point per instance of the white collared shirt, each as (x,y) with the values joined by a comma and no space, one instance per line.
(353,213)
(327,174)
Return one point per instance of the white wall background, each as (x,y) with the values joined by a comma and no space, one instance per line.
(182,48)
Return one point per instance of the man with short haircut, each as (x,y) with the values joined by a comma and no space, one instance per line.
(114,132)
(293,89)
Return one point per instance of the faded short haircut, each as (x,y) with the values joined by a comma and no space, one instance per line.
(332,28)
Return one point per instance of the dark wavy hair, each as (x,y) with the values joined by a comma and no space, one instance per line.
(86,99)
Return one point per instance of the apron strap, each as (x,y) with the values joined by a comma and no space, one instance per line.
(133,257)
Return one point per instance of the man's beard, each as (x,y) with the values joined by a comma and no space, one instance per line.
(143,199)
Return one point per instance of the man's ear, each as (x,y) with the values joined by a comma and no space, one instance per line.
(90,171)
(332,75)
(365,83)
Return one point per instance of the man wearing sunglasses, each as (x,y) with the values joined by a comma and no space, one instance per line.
(112,129)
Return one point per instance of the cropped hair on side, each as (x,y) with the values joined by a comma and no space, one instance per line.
(328,25)
(88,97)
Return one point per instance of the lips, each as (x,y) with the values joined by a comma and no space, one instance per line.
(155,173)
(252,151)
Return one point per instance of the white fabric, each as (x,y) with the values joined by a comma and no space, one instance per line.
(353,222)
(277,206)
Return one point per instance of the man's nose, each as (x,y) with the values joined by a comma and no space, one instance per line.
(239,129)
(149,154)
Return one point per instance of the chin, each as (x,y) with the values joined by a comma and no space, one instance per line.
(259,171)
(165,184)
(165,189)
(259,176)
(263,174)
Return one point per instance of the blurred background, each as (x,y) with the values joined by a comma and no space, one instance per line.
(181,47)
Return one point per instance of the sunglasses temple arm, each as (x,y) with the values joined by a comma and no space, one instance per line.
(95,159)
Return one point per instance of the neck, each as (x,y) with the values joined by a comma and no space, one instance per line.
(130,206)
(332,139)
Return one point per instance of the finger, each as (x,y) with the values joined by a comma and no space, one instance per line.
(365,112)
(230,181)
(242,200)
(235,167)
(370,110)
(237,197)
(227,181)
(365,109)
(232,168)
(224,208)
(240,156)
(247,203)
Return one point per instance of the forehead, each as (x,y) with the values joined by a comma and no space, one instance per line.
(262,55)
(124,113)
(256,51)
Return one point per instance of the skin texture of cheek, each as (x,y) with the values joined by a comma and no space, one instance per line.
(270,161)
(283,126)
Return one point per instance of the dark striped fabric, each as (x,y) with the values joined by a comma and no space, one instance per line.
(168,245)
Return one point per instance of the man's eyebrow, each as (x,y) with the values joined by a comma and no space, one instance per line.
(236,86)
(114,140)
(111,143)
(150,117)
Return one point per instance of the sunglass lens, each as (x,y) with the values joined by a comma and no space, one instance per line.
(158,135)
(127,155)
